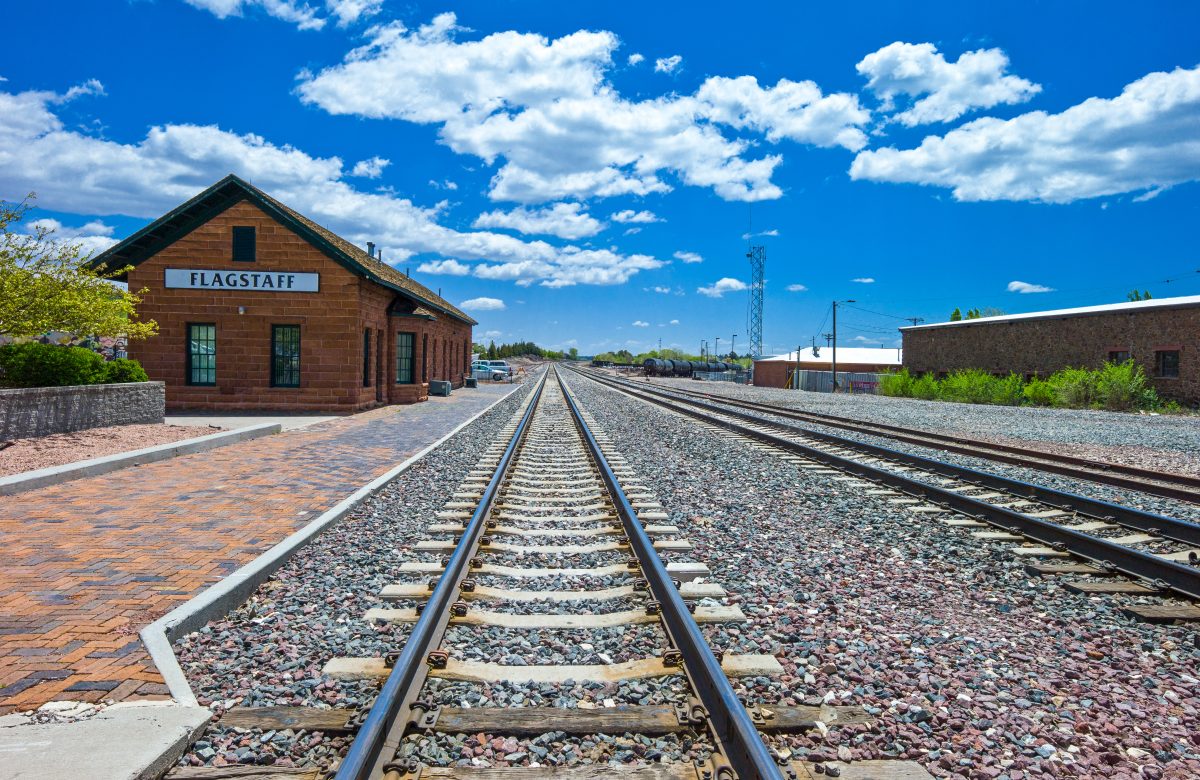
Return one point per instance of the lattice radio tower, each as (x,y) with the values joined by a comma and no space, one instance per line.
(758,260)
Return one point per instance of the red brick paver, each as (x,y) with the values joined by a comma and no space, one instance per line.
(87,564)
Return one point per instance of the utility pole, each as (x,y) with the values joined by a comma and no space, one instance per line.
(733,348)
(915,320)
(834,359)
(828,338)
(758,258)
(717,348)
(660,346)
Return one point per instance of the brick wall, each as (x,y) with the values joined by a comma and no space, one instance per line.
(41,411)
(331,323)
(1045,346)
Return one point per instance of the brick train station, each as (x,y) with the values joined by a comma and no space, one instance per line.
(259,307)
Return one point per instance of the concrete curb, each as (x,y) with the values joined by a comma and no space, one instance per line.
(31,480)
(221,597)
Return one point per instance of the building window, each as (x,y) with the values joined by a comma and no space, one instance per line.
(202,354)
(285,356)
(1118,356)
(366,357)
(244,245)
(404,358)
(1166,364)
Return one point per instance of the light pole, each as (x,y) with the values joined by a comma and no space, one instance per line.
(834,359)
(733,348)
(717,348)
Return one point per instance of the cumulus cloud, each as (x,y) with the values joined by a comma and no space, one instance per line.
(545,112)
(722,286)
(688,257)
(673,322)
(796,288)
(636,59)
(482,304)
(448,267)
(667,64)
(629,215)
(299,13)
(370,169)
(950,89)
(565,220)
(640,324)
(864,280)
(1142,140)
(1026,288)
(91,238)
(78,173)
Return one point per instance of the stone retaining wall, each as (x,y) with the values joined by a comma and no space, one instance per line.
(40,411)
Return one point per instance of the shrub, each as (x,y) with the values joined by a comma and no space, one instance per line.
(46,365)
(970,385)
(124,370)
(926,388)
(1074,387)
(897,385)
(1008,391)
(1039,392)
(1122,386)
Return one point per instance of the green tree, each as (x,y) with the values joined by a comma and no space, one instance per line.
(491,350)
(573,353)
(973,314)
(46,284)
(955,315)
(1144,295)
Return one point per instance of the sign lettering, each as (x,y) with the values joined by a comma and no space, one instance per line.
(269,281)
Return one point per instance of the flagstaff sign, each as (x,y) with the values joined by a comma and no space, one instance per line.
(263,281)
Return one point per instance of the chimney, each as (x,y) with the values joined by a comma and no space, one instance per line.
(439,292)
(406,273)
(381,255)
(371,248)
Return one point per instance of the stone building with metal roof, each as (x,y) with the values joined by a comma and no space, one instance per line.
(259,307)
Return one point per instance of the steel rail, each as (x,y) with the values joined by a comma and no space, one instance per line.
(1162,525)
(1165,484)
(1165,574)
(386,721)
(730,723)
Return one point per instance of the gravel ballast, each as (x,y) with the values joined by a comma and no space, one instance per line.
(971,666)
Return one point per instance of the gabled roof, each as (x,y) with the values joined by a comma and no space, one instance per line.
(862,355)
(1107,308)
(185,218)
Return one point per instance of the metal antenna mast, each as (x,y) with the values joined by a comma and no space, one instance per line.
(758,260)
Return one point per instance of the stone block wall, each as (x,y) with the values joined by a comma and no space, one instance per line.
(41,411)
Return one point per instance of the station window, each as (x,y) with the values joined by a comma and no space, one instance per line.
(1166,363)
(285,356)
(366,357)
(404,358)
(1118,355)
(244,245)
(202,354)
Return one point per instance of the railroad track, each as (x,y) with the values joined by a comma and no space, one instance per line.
(1181,487)
(1161,554)
(553,531)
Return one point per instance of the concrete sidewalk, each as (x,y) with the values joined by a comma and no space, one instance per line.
(92,561)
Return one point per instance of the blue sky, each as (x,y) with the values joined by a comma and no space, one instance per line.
(593,169)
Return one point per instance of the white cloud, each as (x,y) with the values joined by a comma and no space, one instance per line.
(640,324)
(1026,288)
(661,290)
(864,280)
(769,233)
(688,257)
(722,286)
(545,112)
(299,13)
(976,80)
(629,215)
(443,185)
(491,334)
(1143,139)
(370,169)
(667,64)
(633,231)
(636,59)
(78,173)
(674,322)
(565,220)
(91,238)
(449,267)
(796,288)
(482,304)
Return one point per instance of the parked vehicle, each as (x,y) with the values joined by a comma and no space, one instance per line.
(484,369)
(500,365)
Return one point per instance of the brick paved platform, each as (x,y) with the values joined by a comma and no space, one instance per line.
(87,564)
